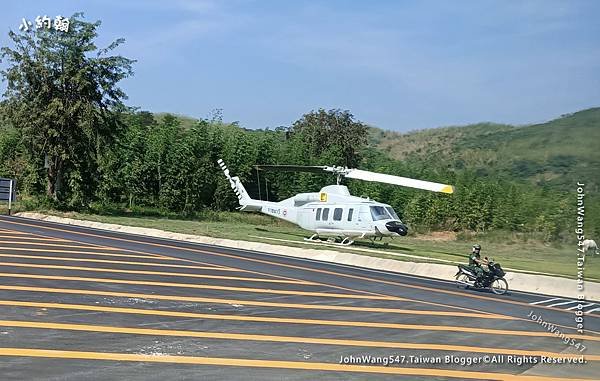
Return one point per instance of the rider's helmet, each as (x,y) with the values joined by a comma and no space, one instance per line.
(476,249)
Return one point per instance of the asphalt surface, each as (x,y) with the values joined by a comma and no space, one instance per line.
(78,303)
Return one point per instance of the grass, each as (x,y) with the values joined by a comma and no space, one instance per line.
(508,249)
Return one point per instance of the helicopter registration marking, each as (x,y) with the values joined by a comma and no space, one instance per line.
(274,211)
(323,197)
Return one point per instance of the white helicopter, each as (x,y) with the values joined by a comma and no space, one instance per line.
(333,212)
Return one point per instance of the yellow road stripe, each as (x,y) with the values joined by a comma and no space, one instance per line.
(254,303)
(394,283)
(436,290)
(85,253)
(261,319)
(213,253)
(236,257)
(118,262)
(36,236)
(232,256)
(2,237)
(198,286)
(285,339)
(26,242)
(146,254)
(13,232)
(296,365)
(218,254)
(317,270)
(101,269)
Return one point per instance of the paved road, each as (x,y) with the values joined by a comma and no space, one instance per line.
(78,303)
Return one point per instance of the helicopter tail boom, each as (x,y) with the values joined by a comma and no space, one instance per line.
(284,209)
(247,203)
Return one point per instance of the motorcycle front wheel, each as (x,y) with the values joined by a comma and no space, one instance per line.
(499,286)
(462,280)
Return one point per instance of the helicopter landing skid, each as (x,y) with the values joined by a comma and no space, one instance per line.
(346,241)
(313,238)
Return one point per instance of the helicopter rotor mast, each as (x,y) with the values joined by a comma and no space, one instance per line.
(362,175)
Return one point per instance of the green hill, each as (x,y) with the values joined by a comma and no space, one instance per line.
(556,153)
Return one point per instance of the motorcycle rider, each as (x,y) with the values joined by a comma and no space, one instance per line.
(476,263)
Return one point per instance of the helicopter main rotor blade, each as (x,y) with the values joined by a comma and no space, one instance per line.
(292,168)
(397,180)
(361,175)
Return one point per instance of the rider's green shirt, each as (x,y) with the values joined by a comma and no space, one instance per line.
(472,259)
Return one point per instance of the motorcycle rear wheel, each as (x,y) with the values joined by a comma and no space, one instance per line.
(462,280)
(499,286)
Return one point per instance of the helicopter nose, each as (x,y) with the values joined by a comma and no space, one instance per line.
(397,227)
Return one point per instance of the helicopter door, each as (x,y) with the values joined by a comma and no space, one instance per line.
(364,217)
(333,217)
(325,219)
(305,218)
(352,217)
(337,214)
(319,219)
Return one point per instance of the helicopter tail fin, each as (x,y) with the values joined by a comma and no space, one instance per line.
(246,202)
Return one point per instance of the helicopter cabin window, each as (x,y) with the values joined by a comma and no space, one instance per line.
(325,214)
(318,216)
(392,212)
(350,212)
(379,213)
(337,214)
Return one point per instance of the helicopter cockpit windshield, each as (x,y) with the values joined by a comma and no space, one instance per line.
(383,213)
(392,213)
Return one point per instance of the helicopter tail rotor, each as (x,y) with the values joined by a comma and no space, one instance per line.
(236,184)
(249,204)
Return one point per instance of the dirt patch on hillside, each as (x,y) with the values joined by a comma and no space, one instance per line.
(437,236)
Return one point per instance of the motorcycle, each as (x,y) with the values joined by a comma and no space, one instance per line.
(492,279)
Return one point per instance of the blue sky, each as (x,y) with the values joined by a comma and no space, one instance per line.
(399,65)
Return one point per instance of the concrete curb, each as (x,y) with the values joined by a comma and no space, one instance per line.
(543,284)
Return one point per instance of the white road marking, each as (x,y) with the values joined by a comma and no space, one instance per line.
(544,301)
(582,307)
(562,303)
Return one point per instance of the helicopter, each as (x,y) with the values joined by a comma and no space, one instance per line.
(333,213)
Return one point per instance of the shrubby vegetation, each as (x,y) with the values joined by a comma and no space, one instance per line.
(72,145)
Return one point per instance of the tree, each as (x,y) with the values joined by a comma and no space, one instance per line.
(319,137)
(331,135)
(162,138)
(125,168)
(62,94)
